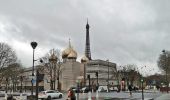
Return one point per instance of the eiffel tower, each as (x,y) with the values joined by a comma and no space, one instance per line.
(87,47)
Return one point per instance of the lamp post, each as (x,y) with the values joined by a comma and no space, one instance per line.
(6,89)
(88,76)
(97,80)
(166,77)
(37,85)
(34,45)
(142,89)
(21,79)
(25,83)
(58,76)
(84,80)
(142,83)
(108,76)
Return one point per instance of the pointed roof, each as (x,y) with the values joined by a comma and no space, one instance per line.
(87,25)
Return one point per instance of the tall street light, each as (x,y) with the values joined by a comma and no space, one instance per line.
(108,76)
(34,45)
(21,79)
(97,80)
(58,76)
(88,76)
(166,77)
(142,80)
(142,88)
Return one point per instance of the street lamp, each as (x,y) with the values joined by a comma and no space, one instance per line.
(108,76)
(142,89)
(34,45)
(21,79)
(167,88)
(97,80)
(88,76)
(58,76)
(142,79)
(6,89)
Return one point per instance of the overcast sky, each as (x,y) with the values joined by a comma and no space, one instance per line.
(123,31)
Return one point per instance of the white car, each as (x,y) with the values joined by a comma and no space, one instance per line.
(49,94)
(102,89)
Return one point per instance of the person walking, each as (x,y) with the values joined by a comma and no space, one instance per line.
(71,95)
(130,89)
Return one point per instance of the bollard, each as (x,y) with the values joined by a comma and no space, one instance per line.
(89,95)
(97,95)
(5,96)
(21,98)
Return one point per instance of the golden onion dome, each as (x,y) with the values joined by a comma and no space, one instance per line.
(72,54)
(53,58)
(69,52)
(66,52)
(84,59)
(64,55)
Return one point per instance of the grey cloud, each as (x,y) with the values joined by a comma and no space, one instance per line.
(123,31)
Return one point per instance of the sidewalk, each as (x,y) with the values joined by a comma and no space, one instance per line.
(164,97)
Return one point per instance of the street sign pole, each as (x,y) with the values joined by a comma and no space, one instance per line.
(142,89)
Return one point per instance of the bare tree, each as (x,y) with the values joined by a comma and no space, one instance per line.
(7,57)
(164,61)
(164,64)
(12,74)
(130,73)
(52,63)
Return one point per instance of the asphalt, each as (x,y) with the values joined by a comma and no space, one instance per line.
(164,97)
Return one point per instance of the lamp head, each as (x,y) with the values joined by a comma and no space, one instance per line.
(163,51)
(34,44)
(41,61)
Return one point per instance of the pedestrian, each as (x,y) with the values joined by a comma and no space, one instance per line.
(71,95)
(130,89)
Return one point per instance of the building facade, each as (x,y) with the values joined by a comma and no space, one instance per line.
(106,70)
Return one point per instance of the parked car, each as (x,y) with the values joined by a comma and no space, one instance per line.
(102,89)
(50,94)
(113,89)
(76,90)
(85,89)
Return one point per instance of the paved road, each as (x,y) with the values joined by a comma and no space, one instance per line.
(108,96)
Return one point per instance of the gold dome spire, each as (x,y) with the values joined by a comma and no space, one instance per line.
(53,57)
(69,52)
(84,59)
(72,54)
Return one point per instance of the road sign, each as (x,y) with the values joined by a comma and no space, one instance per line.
(33,81)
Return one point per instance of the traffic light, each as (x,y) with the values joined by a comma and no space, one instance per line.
(88,76)
(40,77)
(96,74)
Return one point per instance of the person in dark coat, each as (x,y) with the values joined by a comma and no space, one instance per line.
(130,89)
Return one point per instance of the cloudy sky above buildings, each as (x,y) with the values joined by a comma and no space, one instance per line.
(123,31)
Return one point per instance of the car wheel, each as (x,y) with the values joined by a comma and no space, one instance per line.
(60,96)
(49,98)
